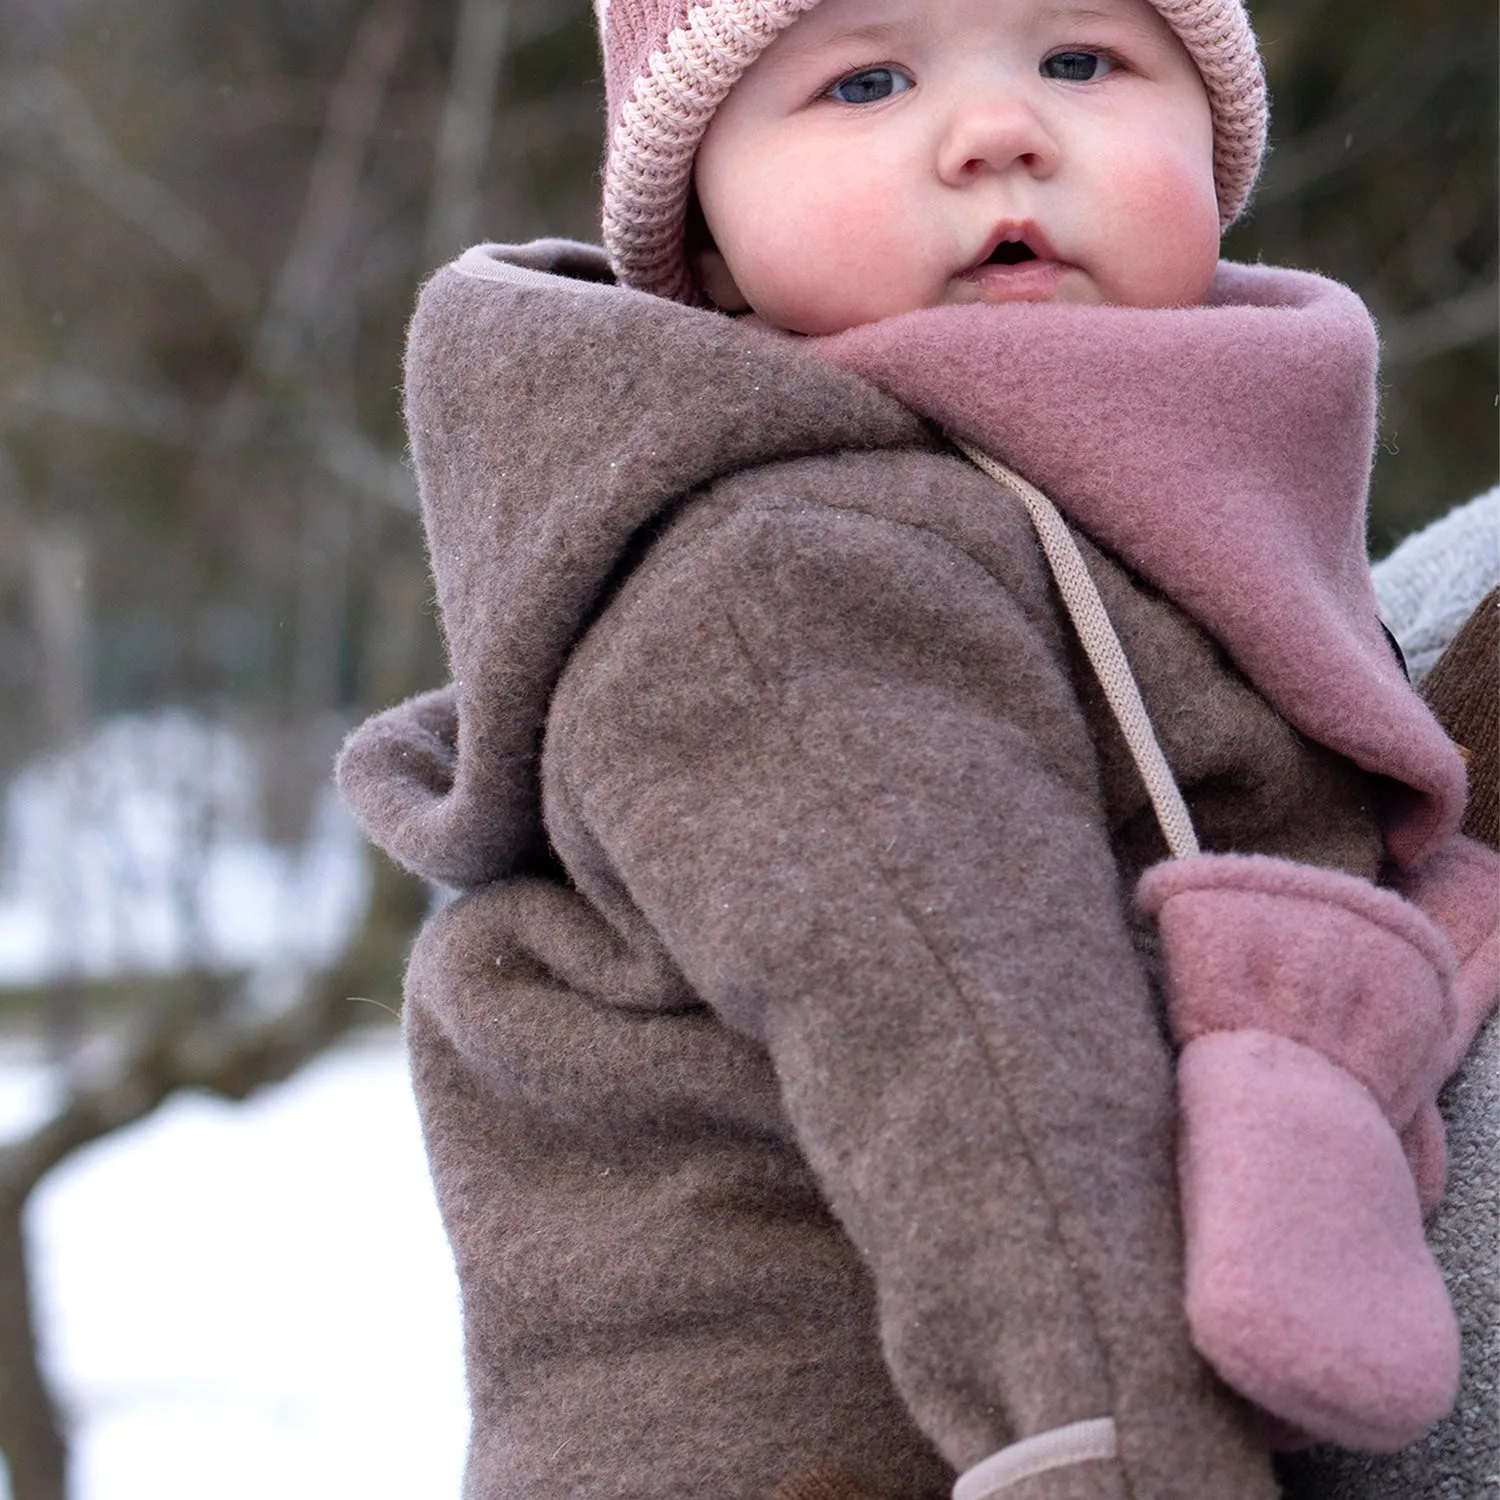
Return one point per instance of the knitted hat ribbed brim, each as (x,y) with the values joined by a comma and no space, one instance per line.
(668,65)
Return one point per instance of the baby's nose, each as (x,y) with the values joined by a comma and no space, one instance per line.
(994,134)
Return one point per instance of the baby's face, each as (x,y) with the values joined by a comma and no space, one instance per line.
(887,155)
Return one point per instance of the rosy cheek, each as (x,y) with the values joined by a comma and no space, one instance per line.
(800,261)
(1174,241)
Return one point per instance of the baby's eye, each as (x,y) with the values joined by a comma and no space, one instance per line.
(1076,66)
(870,86)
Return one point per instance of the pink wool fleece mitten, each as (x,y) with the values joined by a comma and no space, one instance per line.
(1317,1022)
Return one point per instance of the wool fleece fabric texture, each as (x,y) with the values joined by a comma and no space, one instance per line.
(1245,429)
(1311,1291)
(792,1063)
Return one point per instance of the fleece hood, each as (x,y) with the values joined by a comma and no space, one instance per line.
(543,461)
(1222,452)
(556,421)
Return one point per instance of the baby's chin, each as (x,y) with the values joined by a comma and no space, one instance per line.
(1036,279)
(1037,283)
(1064,285)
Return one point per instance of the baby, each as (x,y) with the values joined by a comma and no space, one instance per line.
(891,1042)
(881,158)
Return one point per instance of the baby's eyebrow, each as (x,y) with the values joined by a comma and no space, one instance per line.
(797,51)
(805,40)
(877,32)
(872,31)
(1117,15)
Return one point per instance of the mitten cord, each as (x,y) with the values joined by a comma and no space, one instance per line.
(1101,644)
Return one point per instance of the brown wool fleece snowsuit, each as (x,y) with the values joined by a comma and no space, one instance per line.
(792,1065)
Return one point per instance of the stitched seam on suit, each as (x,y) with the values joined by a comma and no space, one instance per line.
(960,992)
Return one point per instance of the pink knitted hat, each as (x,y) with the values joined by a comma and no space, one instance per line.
(669,63)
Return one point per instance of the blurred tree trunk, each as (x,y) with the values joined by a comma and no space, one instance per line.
(207,384)
(479,47)
(57,562)
(58,565)
(30,1429)
(187,1046)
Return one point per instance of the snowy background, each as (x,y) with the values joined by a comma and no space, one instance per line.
(236,1300)
(139,850)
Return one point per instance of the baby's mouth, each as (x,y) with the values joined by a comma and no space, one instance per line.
(1020,265)
(1016,243)
(1009,253)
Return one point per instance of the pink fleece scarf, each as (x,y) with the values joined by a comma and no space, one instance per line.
(1223,453)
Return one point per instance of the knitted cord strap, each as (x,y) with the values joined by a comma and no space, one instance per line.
(1102,646)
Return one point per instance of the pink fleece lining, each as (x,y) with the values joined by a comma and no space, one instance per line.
(1223,453)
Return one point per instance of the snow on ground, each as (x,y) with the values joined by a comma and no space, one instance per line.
(251,1300)
(236,1300)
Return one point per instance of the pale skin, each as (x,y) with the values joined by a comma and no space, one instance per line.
(883,156)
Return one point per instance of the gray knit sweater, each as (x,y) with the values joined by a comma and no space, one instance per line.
(1430,584)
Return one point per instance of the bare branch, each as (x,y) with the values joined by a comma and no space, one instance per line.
(468,124)
(99,401)
(1469,318)
(341,450)
(43,115)
(199,1045)
(332,185)
(307,274)
(190,1046)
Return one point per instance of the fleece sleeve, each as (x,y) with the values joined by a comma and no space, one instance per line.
(840,768)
